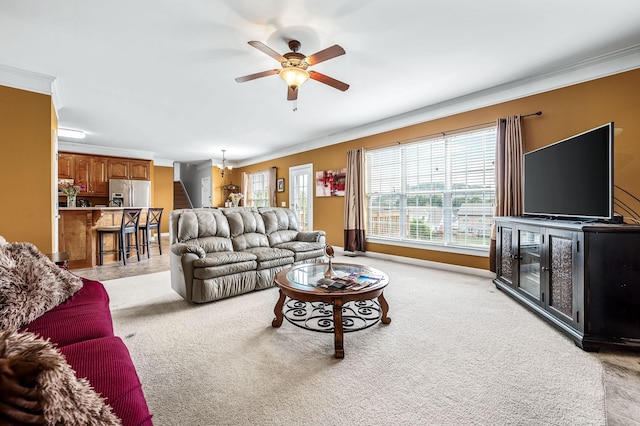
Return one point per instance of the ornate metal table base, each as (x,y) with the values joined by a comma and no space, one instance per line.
(336,312)
(318,316)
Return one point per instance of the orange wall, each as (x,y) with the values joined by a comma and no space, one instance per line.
(163,193)
(565,112)
(26,167)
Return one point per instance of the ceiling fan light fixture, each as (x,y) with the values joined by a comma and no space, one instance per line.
(294,76)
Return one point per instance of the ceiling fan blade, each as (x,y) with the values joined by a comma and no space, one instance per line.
(328,80)
(266,49)
(292,94)
(323,55)
(256,75)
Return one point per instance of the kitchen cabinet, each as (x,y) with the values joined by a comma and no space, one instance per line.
(66,165)
(94,171)
(582,277)
(123,168)
(91,171)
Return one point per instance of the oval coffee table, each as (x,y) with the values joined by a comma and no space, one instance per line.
(308,307)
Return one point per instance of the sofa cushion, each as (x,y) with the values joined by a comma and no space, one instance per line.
(200,223)
(214,271)
(107,365)
(303,250)
(247,229)
(66,398)
(83,316)
(211,244)
(224,258)
(269,257)
(279,219)
(30,284)
(278,237)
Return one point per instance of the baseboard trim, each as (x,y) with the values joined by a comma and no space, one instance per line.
(419,262)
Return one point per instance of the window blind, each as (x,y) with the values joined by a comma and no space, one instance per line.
(434,191)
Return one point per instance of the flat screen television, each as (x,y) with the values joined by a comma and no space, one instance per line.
(571,178)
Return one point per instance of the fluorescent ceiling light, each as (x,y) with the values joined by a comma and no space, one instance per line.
(71,134)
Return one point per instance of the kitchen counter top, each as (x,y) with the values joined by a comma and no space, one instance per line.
(95,208)
(78,235)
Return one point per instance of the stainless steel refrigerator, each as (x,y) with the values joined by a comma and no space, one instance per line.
(129,193)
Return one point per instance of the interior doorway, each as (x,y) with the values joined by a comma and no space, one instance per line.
(301,194)
(207,199)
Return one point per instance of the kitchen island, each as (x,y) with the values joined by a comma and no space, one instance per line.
(77,234)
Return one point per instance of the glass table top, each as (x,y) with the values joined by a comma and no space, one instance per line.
(310,275)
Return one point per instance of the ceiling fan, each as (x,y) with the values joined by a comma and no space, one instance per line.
(294,67)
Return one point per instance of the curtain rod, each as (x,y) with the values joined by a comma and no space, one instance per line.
(417,138)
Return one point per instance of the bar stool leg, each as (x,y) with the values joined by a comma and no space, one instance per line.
(123,249)
(137,245)
(147,242)
(101,251)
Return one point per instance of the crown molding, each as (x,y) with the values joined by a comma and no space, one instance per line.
(83,148)
(591,69)
(31,82)
(26,80)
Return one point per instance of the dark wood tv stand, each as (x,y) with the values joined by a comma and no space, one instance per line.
(582,277)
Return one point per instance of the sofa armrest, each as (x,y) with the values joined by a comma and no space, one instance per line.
(311,236)
(181,248)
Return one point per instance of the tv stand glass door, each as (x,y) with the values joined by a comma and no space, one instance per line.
(529,263)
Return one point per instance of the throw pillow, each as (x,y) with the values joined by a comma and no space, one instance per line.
(63,398)
(30,284)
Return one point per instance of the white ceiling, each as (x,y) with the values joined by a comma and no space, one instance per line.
(157,76)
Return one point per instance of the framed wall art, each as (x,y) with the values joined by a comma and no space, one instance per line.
(280,185)
(330,183)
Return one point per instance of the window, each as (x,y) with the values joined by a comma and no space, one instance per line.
(438,191)
(258,190)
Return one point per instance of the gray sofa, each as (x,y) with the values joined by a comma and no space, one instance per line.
(218,253)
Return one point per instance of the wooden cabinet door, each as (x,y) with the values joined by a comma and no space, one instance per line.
(505,242)
(98,176)
(118,168)
(66,166)
(563,273)
(82,174)
(139,169)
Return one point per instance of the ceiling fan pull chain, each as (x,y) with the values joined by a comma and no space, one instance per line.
(295,105)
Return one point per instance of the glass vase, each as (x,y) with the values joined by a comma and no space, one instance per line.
(71,200)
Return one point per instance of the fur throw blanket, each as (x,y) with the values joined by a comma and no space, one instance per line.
(30,284)
(63,398)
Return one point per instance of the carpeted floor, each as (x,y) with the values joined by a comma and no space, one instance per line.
(457,351)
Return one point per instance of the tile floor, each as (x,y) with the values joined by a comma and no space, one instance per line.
(621,368)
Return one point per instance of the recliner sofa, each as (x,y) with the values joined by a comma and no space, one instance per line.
(219,253)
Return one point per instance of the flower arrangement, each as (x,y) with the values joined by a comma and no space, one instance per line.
(235,198)
(68,188)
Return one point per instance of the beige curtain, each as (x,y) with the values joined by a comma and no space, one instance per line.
(354,208)
(272,186)
(509,153)
(245,189)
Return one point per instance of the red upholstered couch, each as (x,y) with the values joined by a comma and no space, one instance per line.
(82,330)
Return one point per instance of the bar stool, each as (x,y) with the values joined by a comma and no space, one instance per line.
(129,225)
(154,215)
